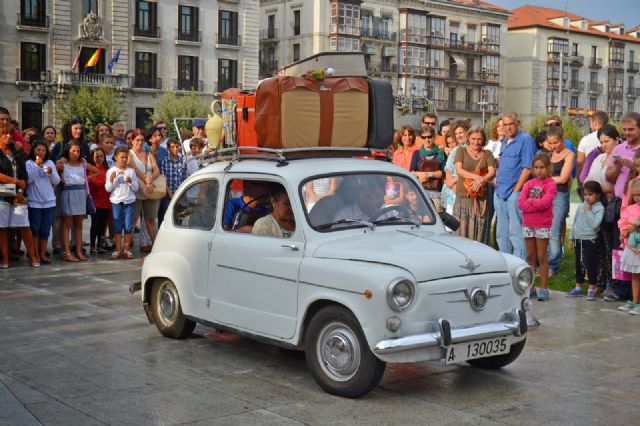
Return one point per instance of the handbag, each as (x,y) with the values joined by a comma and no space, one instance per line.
(480,192)
(431,165)
(616,266)
(159,188)
(90,207)
(7,189)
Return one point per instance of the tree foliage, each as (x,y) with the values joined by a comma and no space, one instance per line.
(572,130)
(92,106)
(171,106)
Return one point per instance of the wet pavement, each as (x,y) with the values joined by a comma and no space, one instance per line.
(76,349)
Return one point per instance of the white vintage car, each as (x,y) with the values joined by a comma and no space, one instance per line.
(368,275)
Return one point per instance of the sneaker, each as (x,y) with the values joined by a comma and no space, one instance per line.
(635,310)
(591,295)
(610,294)
(533,293)
(575,292)
(627,307)
(543,295)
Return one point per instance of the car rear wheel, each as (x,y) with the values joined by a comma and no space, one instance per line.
(499,361)
(338,355)
(167,312)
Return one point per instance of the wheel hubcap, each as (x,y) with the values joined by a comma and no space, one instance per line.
(167,304)
(339,352)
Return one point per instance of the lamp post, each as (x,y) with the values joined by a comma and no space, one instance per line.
(43,90)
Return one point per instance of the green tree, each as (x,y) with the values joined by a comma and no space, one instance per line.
(171,106)
(571,129)
(92,106)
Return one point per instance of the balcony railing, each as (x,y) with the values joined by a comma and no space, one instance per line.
(466,106)
(633,67)
(576,86)
(376,34)
(441,41)
(23,74)
(554,83)
(423,71)
(33,21)
(228,39)
(269,34)
(615,91)
(145,82)
(73,78)
(146,31)
(596,88)
(382,67)
(479,77)
(577,60)
(595,63)
(268,68)
(633,92)
(189,35)
(188,85)
(616,63)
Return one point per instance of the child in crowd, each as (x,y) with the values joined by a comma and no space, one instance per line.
(100,198)
(43,177)
(122,183)
(630,259)
(394,192)
(536,203)
(174,167)
(73,198)
(107,142)
(583,238)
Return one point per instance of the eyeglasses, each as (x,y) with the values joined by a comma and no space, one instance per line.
(429,123)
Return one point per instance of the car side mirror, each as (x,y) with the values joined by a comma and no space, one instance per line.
(449,221)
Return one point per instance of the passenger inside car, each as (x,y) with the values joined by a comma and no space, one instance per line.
(280,223)
(242,212)
(364,203)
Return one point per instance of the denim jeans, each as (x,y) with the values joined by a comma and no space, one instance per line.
(123,216)
(560,212)
(509,226)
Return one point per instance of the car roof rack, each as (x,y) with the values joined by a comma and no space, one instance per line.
(283,155)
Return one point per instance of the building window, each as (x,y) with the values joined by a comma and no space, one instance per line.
(33,60)
(227,74)
(413,28)
(490,64)
(436,27)
(31,115)
(296,52)
(471,33)
(616,56)
(271,59)
(271,26)
(146,19)
(593,103)
(557,47)
(85,54)
(188,23)
(490,34)
(296,22)
(188,73)
(33,13)
(143,117)
(89,6)
(366,23)
(413,60)
(574,49)
(146,70)
(574,102)
(228,27)
(454,29)
(345,18)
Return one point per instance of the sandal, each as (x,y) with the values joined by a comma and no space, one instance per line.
(128,255)
(93,250)
(115,255)
(68,257)
(82,257)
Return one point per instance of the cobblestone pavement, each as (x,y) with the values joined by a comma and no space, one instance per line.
(76,349)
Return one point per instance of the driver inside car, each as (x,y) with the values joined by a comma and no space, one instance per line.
(365,203)
(242,212)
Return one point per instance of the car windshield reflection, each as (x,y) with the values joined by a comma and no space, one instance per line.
(364,200)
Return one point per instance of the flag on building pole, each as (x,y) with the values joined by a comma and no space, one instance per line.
(75,62)
(112,63)
(93,60)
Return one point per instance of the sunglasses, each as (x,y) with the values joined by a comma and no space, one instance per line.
(162,128)
(426,136)
(429,123)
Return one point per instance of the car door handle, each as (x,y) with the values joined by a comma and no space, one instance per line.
(293,247)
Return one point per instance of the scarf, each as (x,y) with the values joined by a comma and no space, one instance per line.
(434,152)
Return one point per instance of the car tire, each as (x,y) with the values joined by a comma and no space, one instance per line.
(499,361)
(167,311)
(350,369)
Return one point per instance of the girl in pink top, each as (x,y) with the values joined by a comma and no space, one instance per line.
(536,203)
(630,259)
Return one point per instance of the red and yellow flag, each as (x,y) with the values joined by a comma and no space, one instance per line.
(93,60)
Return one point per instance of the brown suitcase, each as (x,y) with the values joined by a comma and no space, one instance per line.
(295,112)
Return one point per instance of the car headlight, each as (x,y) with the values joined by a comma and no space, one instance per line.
(523,278)
(400,294)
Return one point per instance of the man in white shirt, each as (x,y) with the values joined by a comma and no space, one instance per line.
(590,141)
(198,132)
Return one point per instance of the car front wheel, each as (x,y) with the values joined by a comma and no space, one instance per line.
(499,361)
(167,312)
(338,355)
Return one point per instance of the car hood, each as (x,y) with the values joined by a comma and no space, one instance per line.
(428,256)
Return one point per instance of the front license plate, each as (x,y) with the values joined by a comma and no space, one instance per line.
(461,352)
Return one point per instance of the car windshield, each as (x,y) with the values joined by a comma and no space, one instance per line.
(335,202)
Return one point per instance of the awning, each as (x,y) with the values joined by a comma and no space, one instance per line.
(460,62)
(388,51)
(368,49)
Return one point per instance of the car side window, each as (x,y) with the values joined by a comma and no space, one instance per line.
(196,208)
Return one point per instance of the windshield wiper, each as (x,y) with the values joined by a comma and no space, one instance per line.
(343,221)
(399,219)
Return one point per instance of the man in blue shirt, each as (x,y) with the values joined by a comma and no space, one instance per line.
(516,158)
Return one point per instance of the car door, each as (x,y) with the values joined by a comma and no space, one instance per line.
(254,283)
(194,213)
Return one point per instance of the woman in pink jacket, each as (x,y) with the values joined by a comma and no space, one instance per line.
(536,203)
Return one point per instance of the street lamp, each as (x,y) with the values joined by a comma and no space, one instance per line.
(43,90)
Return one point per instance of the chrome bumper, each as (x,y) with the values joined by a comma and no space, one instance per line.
(445,336)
